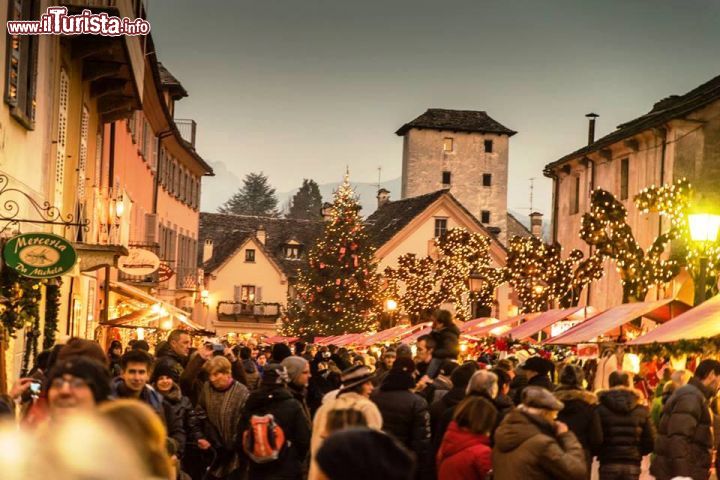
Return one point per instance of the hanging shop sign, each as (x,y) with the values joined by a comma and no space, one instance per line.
(588,351)
(165,272)
(39,255)
(139,262)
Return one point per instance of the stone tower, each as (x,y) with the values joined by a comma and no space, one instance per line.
(464,151)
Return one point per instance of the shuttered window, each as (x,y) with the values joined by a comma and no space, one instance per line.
(21,66)
(61,144)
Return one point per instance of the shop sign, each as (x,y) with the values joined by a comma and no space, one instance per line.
(165,272)
(139,262)
(39,255)
(588,351)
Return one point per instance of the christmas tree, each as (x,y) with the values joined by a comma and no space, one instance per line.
(338,292)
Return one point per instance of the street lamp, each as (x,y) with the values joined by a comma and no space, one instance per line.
(704,229)
(390,305)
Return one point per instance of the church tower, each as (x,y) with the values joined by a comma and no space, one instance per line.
(464,151)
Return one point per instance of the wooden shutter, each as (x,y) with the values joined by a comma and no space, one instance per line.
(82,162)
(61,145)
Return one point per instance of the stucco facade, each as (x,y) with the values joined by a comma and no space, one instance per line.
(676,148)
(427,153)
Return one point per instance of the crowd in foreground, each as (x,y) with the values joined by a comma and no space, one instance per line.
(248,412)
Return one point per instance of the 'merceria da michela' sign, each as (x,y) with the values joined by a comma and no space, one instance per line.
(39,255)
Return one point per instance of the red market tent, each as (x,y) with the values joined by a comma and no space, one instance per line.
(416,332)
(616,317)
(475,322)
(701,321)
(348,339)
(281,339)
(541,322)
(384,335)
(485,329)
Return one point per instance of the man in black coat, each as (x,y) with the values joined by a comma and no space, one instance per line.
(628,431)
(685,436)
(459,378)
(533,373)
(274,398)
(405,414)
(447,337)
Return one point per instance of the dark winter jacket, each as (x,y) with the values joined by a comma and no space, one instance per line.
(685,439)
(405,414)
(446,342)
(527,448)
(183,410)
(520,382)
(251,374)
(288,414)
(581,416)
(628,432)
(173,423)
(439,418)
(464,455)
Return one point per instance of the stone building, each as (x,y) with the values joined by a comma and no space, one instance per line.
(679,137)
(463,151)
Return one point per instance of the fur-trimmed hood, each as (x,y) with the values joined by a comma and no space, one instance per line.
(620,399)
(567,394)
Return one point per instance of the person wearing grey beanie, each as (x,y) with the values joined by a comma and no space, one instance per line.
(298,370)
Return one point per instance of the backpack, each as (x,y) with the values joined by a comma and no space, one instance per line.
(264,439)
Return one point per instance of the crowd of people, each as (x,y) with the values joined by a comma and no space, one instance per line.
(242,411)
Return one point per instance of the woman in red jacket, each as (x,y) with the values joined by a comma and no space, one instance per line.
(465,450)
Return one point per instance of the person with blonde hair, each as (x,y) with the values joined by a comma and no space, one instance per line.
(137,422)
(220,408)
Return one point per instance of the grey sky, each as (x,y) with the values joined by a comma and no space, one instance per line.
(300,88)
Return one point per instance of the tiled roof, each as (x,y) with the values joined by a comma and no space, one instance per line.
(456,120)
(229,231)
(173,84)
(515,228)
(392,217)
(674,106)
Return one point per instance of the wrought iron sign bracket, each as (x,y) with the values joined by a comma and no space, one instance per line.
(48,214)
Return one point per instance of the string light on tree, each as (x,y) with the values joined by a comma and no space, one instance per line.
(339,291)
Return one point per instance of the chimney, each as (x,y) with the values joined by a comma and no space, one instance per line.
(383,197)
(327,211)
(207,250)
(536,224)
(260,234)
(591,127)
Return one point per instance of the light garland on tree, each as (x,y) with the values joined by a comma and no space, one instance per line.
(605,227)
(339,291)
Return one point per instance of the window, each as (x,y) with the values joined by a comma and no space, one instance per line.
(448,145)
(488,146)
(440,227)
(21,68)
(292,252)
(575,197)
(61,145)
(487,179)
(247,293)
(250,255)
(624,174)
(446,178)
(485,216)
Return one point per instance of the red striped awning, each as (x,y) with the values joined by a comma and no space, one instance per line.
(541,322)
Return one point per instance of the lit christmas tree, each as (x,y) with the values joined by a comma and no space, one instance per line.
(338,292)
(605,227)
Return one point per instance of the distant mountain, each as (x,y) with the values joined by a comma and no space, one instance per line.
(218,189)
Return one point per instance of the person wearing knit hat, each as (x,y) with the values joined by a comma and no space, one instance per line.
(298,370)
(530,443)
(77,383)
(352,398)
(405,414)
(580,410)
(363,453)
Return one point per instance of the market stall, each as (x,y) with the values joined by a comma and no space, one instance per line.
(496,327)
(702,321)
(613,319)
(546,320)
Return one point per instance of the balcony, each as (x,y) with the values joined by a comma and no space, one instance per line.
(187,129)
(186,277)
(248,312)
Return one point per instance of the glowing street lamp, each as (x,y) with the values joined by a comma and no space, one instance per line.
(391,305)
(704,228)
